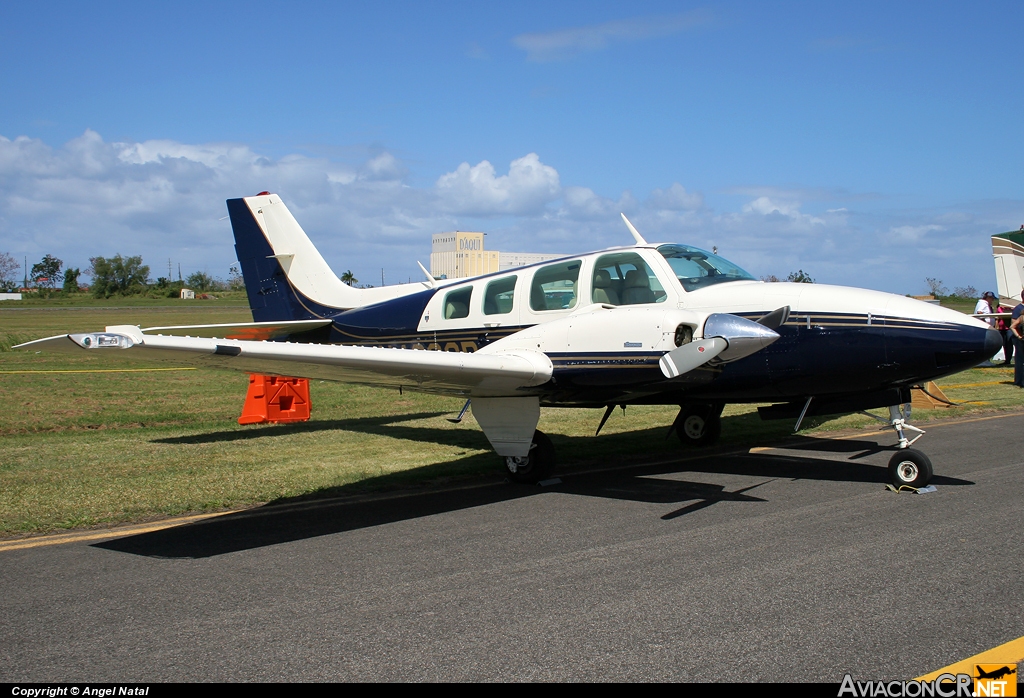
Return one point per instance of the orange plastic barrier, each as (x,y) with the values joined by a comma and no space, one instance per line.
(275,399)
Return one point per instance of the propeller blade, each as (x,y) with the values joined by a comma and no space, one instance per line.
(689,356)
(775,319)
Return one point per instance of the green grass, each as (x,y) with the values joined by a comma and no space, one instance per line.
(86,448)
(21,321)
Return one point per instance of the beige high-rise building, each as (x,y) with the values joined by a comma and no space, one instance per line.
(460,255)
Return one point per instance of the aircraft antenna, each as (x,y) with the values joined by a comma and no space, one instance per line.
(636,236)
(430,279)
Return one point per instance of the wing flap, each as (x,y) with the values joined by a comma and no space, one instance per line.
(254,331)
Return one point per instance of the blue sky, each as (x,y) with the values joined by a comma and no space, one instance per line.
(873,144)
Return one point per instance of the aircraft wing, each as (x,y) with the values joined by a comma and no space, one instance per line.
(483,374)
(241,330)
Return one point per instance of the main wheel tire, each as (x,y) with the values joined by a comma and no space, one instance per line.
(910,467)
(699,426)
(535,466)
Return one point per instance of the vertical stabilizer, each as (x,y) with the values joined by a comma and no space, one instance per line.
(1008,254)
(286,277)
(279,263)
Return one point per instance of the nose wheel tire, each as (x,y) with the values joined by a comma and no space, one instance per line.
(535,466)
(699,425)
(910,467)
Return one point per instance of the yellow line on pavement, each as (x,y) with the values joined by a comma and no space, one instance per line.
(119,532)
(972,385)
(109,370)
(1008,653)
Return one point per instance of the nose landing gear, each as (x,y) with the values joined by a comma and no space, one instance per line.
(908,466)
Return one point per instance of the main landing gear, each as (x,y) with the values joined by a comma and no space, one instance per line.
(535,466)
(698,425)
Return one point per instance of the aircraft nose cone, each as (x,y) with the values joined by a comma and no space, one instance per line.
(993,342)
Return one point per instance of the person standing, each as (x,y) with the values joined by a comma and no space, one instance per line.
(1018,342)
(1003,325)
(986,304)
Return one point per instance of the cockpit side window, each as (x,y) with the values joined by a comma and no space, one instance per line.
(456,303)
(499,295)
(696,268)
(554,286)
(625,278)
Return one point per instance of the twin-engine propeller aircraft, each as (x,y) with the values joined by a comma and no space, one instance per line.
(665,324)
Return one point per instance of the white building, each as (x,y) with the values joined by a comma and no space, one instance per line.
(509,260)
(461,255)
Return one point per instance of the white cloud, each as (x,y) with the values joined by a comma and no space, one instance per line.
(911,233)
(675,198)
(566,43)
(164,199)
(384,166)
(477,191)
(781,210)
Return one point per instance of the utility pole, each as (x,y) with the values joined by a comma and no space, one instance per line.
(382,276)
(179,272)
(170,273)
(24,284)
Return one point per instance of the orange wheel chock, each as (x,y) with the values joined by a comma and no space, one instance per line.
(275,399)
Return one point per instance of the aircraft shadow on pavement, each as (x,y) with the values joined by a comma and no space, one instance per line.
(385,425)
(297,519)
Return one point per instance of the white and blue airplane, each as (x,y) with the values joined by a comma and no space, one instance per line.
(665,324)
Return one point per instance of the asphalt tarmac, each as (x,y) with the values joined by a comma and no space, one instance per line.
(790,564)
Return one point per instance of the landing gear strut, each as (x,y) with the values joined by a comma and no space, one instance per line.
(908,466)
(698,425)
(535,466)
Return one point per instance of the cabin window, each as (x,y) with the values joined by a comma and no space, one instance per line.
(554,286)
(456,303)
(625,279)
(498,296)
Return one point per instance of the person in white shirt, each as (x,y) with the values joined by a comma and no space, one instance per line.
(986,305)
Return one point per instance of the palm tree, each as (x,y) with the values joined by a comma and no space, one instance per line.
(348,278)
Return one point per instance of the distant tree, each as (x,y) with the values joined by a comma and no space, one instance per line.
(71,280)
(935,287)
(117,275)
(966,292)
(235,280)
(200,281)
(800,277)
(349,278)
(8,271)
(771,278)
(47,272)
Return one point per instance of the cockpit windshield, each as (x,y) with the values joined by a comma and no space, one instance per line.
(696,268)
